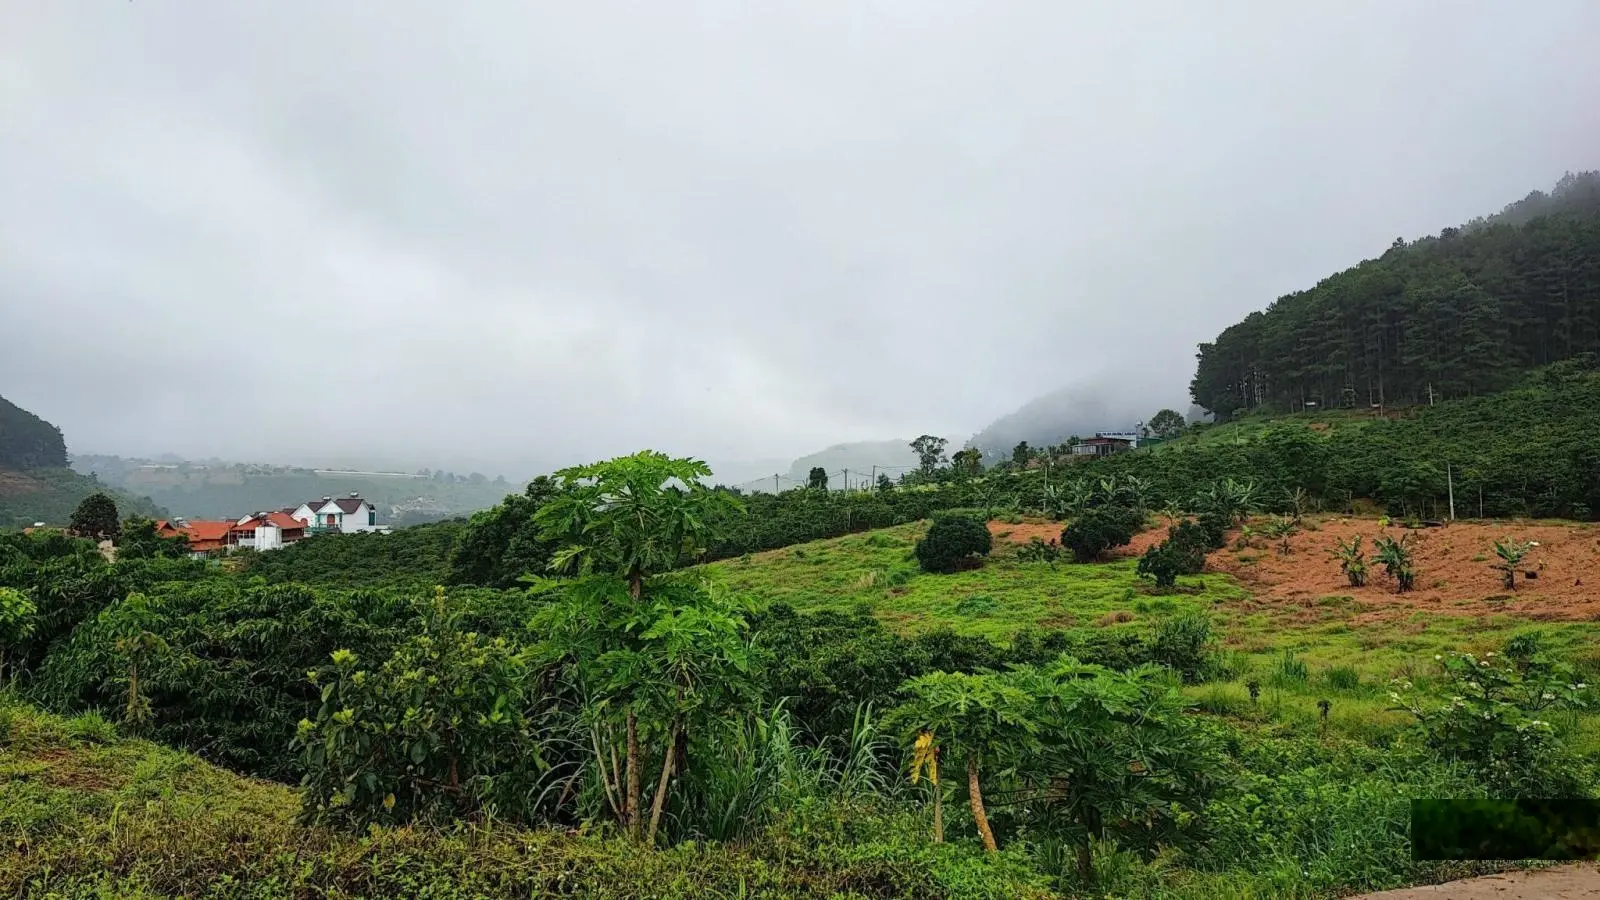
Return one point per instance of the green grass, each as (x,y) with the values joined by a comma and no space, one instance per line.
(1348,660)
(876,569)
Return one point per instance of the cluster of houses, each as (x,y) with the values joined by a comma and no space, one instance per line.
(277,528)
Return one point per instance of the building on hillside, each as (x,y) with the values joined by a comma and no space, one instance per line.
(342,514)
(1105,443)
(205,538)
(265,531)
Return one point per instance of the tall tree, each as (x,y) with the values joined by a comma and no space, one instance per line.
(1165,423)
(968,463)
(1021,454)
(619,524)
(817,479)
(96,517)
(930,452)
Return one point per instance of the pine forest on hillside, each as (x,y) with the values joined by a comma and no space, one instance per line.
(1456,315)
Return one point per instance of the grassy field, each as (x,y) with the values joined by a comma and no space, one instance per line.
(1299,652)
(877,569)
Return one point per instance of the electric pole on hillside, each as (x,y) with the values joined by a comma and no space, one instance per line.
(774,485)
(847,481)
(1450,482)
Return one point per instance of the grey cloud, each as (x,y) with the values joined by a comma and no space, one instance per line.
(554,232)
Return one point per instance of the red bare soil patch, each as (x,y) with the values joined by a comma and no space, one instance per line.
(1021,534)
(1449,579)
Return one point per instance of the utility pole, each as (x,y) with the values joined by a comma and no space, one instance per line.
(847,481)
(1449,473)
(774,485)
(874,484)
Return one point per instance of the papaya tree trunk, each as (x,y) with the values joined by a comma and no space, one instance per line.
(1091,829)
(661,785)
(634,819)
(975,798)
(938,811)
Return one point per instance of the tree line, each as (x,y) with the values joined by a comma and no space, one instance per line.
(1459,314)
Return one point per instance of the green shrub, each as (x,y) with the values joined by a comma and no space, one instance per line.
(1099,530)
(1183,554)
(1343,678)
(954,543)
(977,606)
(1037,550)
(1182,643)
(449,726)
(1497,722)
(1288,670)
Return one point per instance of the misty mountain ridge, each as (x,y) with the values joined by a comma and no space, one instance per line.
(1055,418)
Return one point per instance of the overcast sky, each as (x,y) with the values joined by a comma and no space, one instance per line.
(507,235)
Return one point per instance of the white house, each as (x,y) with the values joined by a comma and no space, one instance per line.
(266,531)
(344,514)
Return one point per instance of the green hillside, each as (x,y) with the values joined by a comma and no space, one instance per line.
(35,483)
(50,496)
(1460,314)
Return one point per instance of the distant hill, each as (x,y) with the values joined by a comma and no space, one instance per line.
(1052,419)
(892,457)
(216,489)
(28,442)
(1462,314)
(35,483)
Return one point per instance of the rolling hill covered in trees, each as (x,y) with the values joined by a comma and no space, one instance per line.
(1459,314)
(35,483)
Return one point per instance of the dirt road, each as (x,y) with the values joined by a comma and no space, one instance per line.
(1558,883)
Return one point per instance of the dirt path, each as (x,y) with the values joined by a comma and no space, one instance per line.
(1559,883)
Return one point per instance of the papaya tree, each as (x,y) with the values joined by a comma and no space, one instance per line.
(1114,754)
(620,524)
(985,719)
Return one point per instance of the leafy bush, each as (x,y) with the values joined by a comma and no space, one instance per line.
(1100,529)
(1352,560)
(954,543)
(451,724)
(1511,554)
(976,606)
(1497,721)
(1182,553)
(1288,670)
(1395,557)
(1038,550)
(1183,643)
(1200,535)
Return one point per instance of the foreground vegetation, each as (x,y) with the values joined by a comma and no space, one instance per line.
(981,718)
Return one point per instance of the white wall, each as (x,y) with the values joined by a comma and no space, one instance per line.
(268,537)
(357,521)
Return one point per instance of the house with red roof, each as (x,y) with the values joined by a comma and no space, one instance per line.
(205,538)
(265,531)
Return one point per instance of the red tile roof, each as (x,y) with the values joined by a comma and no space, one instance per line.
(280,519)
(205,536)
